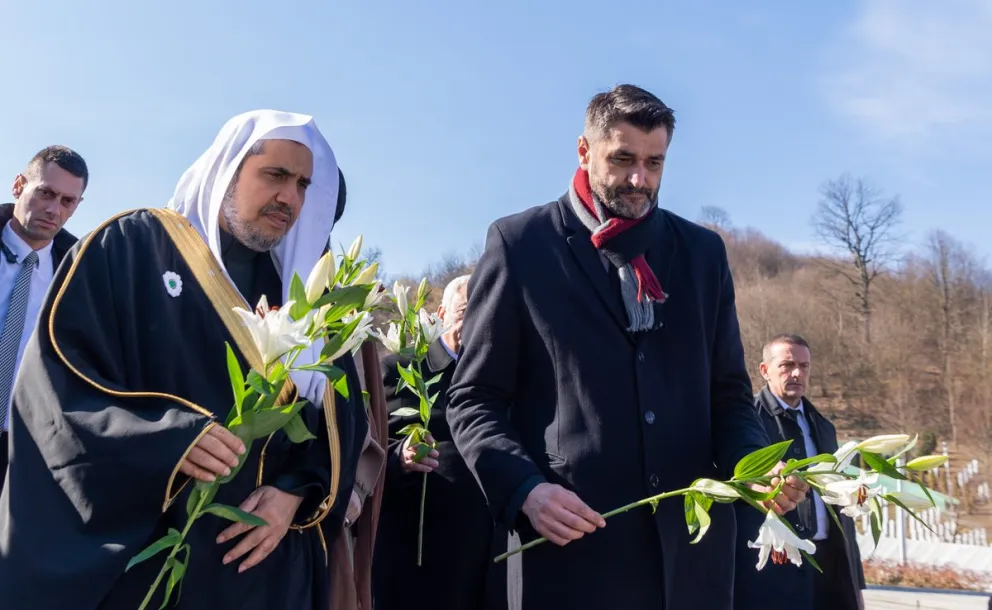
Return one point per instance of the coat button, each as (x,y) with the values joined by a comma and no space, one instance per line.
(653,479)
(649,417)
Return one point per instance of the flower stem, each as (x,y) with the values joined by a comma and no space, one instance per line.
(616,511)
(420,533)
(175,549)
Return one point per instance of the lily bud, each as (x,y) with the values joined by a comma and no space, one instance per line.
(320,277)
(399,293)
(355,249)
(367,276)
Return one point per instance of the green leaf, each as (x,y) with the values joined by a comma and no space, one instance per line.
(702,516)
(341,387)
(237,377)
(425,410)
(760,462)
(422,451)
(175,578)
(193,500)
(343,300)
(409,377)
(750,494)
(434,379)
(926,462)
(264,423)
(926,492)
(298,294)
(297,431)
(895,500)
(260,384)
(691,520)
(405,412)
(794,465)
(233,513)
(336,340)
(170,539)
(881,465)
(876,520)
(408,430)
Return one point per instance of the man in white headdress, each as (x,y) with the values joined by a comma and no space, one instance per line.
(125,388)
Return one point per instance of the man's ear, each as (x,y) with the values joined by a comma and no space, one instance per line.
(763,369)
(584,152)
(18,187)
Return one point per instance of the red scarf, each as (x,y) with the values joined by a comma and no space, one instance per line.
(647,282)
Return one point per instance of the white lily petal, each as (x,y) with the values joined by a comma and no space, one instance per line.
(367,275)
(355,249)
(320,277)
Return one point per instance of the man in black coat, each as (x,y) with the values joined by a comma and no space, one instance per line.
(787,414)
(46,195)
(601,364)
(457,525)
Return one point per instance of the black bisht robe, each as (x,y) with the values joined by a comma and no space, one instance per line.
(118,381)
(550,386)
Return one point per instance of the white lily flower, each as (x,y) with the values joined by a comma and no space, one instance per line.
(367,275)
(355,249)
(777,541)
(320,277)
(716,489)
(844,455)
(390,340)
(274,332)
(375,295)
(853,495)
(430,326)
(357,337)
(399,294)
(886,443)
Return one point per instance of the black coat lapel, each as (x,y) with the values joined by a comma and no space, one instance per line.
(578,238)
(438,357)
(662,253)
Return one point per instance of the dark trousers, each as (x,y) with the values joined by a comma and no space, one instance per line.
(4,435)
(833,589)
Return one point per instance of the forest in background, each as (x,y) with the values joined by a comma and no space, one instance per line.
(901,332)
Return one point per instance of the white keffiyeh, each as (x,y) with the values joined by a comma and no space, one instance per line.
(200,193)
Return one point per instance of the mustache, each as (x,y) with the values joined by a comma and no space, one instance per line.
(277,208)
(633,190)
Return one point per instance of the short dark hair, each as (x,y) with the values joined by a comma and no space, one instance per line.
(64,157)
(783,339)
(629,104)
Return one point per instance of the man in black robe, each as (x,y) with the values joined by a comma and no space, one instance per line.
(602,364)
(458,528)
(125,387)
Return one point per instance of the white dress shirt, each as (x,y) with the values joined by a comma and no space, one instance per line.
(40,280)
(822,525)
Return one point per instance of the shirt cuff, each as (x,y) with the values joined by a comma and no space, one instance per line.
(512,510)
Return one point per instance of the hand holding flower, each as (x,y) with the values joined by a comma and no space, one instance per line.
(214,455)
(559,515)
(419,457)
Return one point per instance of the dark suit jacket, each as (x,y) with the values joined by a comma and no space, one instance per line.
(63,241)
(457,525)
(552,387)
(794,586)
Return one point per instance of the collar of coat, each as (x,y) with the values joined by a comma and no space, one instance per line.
(438,357)
(62,243)
(773,407)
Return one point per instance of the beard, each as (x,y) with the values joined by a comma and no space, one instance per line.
(612,199)
(243,231)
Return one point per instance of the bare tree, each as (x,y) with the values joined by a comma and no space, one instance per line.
(714,217)
(854,217)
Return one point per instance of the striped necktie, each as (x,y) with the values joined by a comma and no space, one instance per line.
(13,328)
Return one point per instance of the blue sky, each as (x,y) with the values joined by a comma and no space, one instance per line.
(445,116)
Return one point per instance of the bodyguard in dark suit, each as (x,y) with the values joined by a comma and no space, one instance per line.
(601,364)
(457,525)
(32,245)
(787,415)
